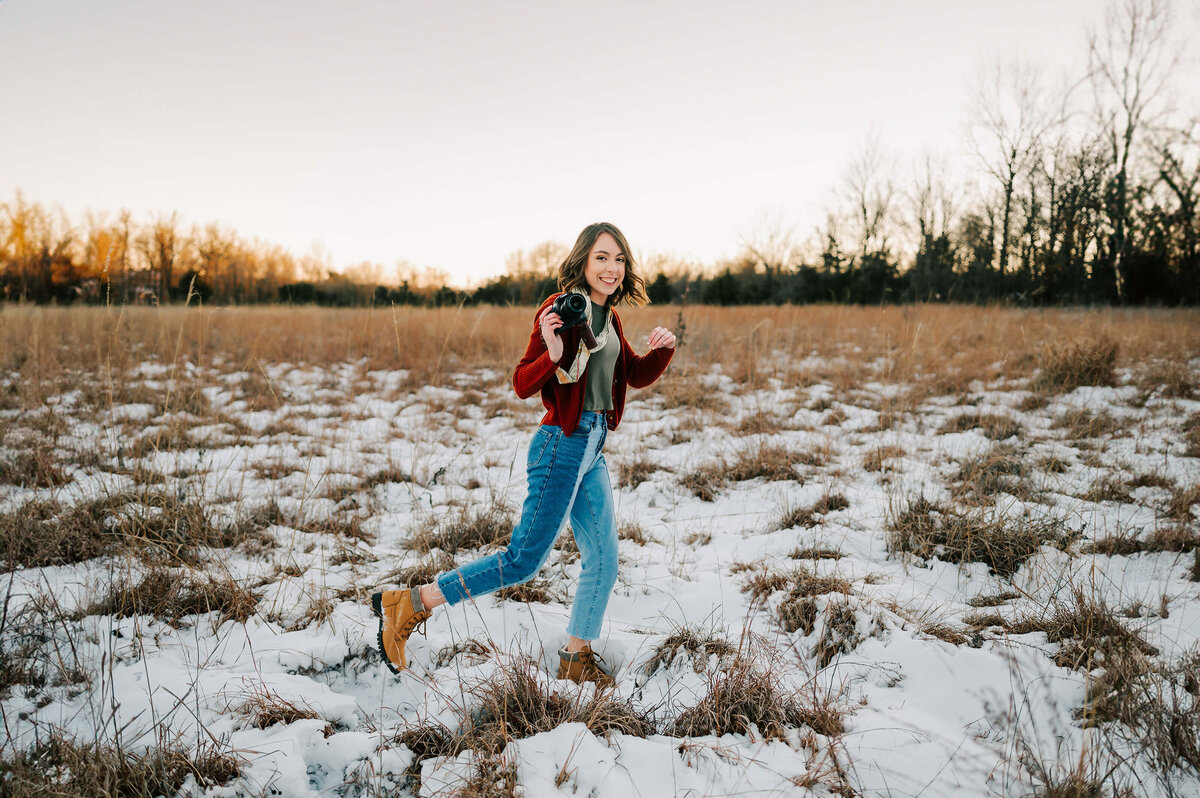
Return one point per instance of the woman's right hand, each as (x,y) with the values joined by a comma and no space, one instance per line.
(549,323)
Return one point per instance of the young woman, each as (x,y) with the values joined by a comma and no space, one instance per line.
(583,389)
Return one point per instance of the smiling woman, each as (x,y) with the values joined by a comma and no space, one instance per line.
(583,387)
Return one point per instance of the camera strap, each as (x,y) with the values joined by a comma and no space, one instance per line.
(573,372)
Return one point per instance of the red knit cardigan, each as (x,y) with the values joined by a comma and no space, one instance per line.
(564,401)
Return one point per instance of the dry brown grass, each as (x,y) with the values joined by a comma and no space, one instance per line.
(267,709)
(634,472)
(1169,378)
(840,633)
(420,573)
(157,524)
(948,345)
(1003,544)
(1000,469)
(798,611)
(812,515)
(764,460)
(535,591)
(996,426)
(761,422)
(1110,488)
(697,645)
(992,601)
(745,696)
(815,553)
(1182,502)
(63,768)
(1152,706)
(688,390)
(633,532)
(36,468)
(1087,361)
(1088,631)
(424,742)
(488,527)
(877,459)
(172,594)
(1191,435)
(521,701)
(1082,424)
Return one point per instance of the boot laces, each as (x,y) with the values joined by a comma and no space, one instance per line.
(589,657)
(413,622)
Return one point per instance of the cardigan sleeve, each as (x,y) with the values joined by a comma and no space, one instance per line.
(536,366)
(642,370)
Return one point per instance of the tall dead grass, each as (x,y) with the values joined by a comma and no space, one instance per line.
(941,347)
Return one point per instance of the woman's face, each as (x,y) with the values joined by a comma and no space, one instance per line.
(605,269)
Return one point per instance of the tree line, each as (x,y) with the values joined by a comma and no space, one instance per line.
(1088,192)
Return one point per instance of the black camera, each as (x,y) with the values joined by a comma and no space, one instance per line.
(572,309)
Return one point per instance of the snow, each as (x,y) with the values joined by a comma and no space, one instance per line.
(923,716)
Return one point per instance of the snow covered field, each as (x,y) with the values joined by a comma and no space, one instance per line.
(851,591)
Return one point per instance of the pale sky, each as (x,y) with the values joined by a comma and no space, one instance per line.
(450,134)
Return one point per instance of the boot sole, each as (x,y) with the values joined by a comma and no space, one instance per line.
(377,608)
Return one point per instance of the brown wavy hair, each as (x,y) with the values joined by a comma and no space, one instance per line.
(632,289)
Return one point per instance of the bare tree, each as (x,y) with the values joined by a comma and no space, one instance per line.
(768,242)
(160,247)
(1130,63)
(1179,171)
(215,251)
(542,261)
(933,202)
(870,191)
(38,243)
(1009,118)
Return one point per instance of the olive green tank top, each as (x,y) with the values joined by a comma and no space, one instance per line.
(600,366)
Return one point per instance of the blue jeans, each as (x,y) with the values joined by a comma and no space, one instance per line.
(567,476)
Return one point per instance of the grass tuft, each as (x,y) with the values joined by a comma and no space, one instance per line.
(420,573)
(746,696)
(1084,424)
(996,426)
(170,595)
(808,517)
(1168,378)
(798,610)
(1000,469)
(520,702)
(1191,436)
(1087,629)
(877,459)
(636,471)
(1180,508)
(1065,367)
(767,461)
(633,532)
(62,767)
(32,469)
(535,591)
(1003,544)
(486,527)
(267,709)
(698,646)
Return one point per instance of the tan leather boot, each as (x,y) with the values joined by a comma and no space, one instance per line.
(582,666)
(399,613)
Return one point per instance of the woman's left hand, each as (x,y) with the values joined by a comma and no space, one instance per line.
(661,338)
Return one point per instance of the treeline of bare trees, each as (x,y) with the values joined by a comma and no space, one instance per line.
(1087,192)
(45,257)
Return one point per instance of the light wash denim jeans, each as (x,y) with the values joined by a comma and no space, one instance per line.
(567,476)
